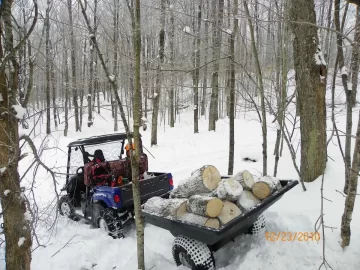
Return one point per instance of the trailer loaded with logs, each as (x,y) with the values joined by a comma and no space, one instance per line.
(206,211)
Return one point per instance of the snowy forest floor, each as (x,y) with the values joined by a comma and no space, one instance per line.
(76,246)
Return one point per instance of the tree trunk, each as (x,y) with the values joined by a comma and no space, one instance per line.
(135,157)
(196,64)
(344,77)
(172,58)
(53,81)
(214,112)
(355,58)
(260,88)
(232,91)
(311,90)
(16,225)
(157,94)
(206,42)
(352,192)
(73,67)
(47,67)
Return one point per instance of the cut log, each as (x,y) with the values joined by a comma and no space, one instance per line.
(201,220)
(271,181)
(245,178)
(229,212)
(204,206)
(229,190)
(174,208)
(247,200)
(262,190)
(203,180)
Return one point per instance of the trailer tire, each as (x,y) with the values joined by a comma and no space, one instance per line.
(192,254)
(259,226)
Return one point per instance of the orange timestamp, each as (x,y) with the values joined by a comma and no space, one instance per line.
(292,236)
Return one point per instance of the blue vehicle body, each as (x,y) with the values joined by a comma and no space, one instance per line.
(121,197)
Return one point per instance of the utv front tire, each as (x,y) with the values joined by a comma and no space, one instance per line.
(192,254)
(66,207)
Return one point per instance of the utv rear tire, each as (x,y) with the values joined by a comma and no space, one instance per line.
(192,254)
(109,222)
(66,207)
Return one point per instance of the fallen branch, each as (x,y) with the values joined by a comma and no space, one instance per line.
(64,246)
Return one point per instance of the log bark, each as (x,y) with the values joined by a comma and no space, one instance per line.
(229,212)
(205,206)
(174,208)
(247,200)
(200,220)
(271,181)
(245,178)
(203,180)
(262,190)
(229,189)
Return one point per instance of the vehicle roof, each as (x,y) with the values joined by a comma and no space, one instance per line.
(94,140)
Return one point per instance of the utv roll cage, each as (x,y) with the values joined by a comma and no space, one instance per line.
(95,140)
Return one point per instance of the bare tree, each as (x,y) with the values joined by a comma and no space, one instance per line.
(157,94)
(217,36)
(310,83)
(73,66)
(232,90)
(16,221)
(260,87)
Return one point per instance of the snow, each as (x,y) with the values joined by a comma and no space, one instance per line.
(180,152)
(144,119)
(2,170)
(6,192)
(112,78)
(344,70)
(27,216)
(187,29)
(91,36)
(20,111)
(229,31)
(1,97)
(155,95)
(229,189)
(21,241)
(350,86)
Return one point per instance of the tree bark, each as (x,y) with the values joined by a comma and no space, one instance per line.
(260,88)
(196,64)
(16,225)
(73,67)
(217,36)
(172,58)
(311,90)
(232,91)
(355,58)
(352,192)
(47,67)
(206,42)
(157,94)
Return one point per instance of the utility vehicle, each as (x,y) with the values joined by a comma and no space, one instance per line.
(99,183)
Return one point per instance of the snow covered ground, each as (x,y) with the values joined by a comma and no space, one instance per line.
(75,246)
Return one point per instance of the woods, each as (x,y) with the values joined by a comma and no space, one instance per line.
(272,84)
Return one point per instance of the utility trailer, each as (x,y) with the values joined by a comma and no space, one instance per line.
(194,245)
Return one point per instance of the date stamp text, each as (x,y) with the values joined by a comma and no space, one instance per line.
(292,236)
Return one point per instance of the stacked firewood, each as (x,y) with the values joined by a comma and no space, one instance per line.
(206,199)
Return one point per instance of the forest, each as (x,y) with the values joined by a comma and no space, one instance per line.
(266,86)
